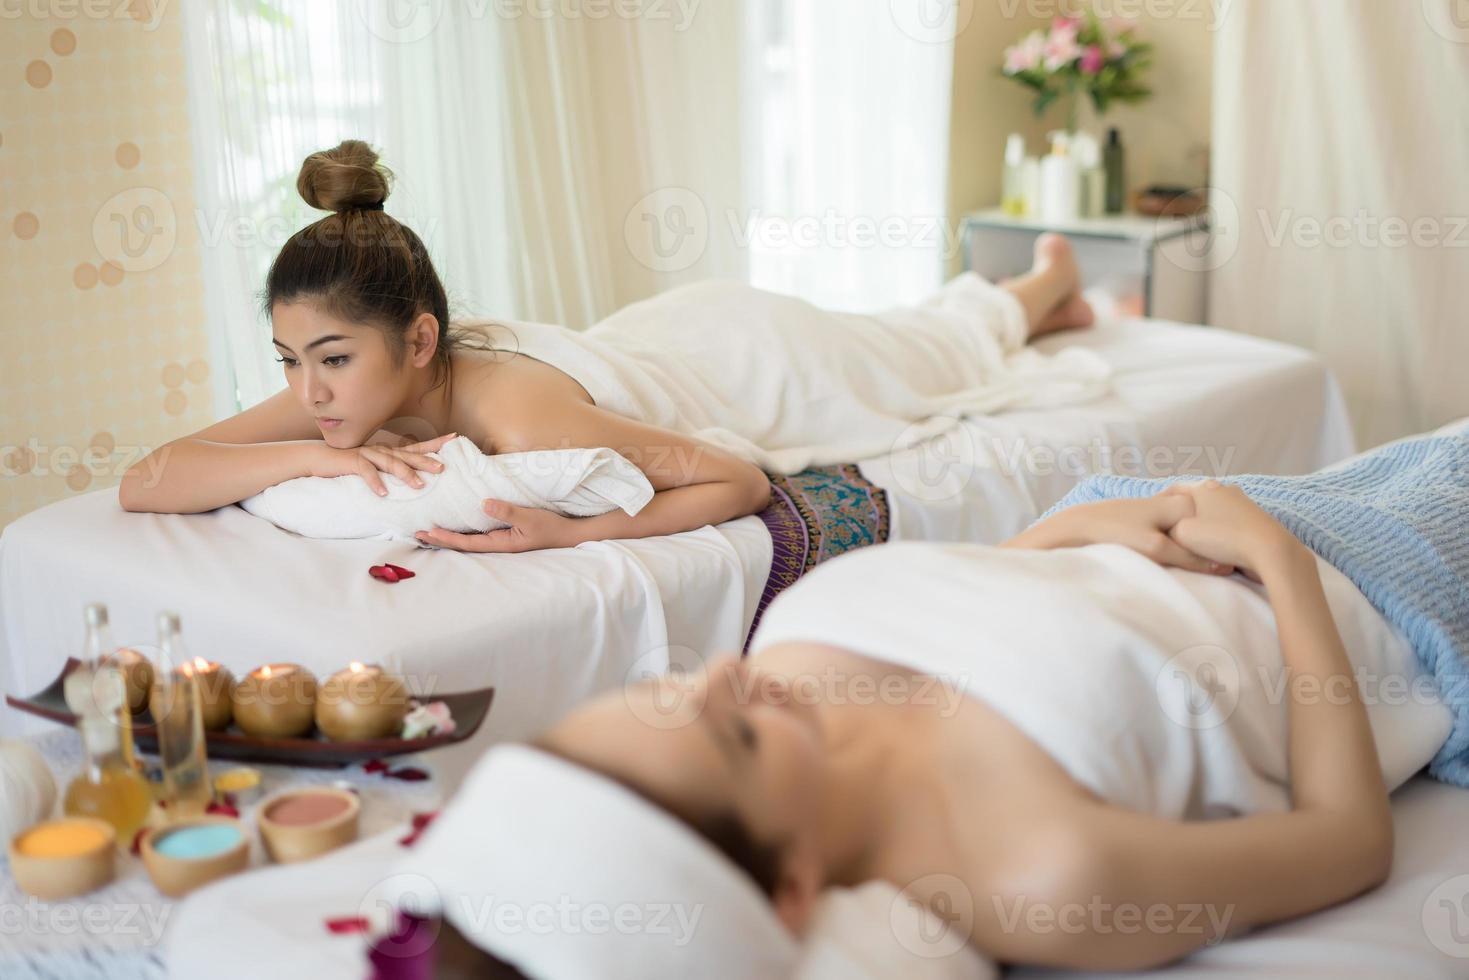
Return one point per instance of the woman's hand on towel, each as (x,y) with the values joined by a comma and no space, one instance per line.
(371,461)
(1227,526)
(1140,524)
(530,529)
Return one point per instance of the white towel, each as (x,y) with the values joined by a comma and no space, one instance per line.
(785,384)
(1157,689)
(571,482)
(525,860)
(567,874)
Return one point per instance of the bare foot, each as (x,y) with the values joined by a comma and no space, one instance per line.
(1056,261)
(1074,312)
(1050,293)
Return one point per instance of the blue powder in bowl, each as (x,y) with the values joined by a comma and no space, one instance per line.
(202,841)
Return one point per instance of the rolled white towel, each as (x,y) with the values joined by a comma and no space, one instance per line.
(570,482)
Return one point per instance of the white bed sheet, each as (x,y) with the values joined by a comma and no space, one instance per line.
(1416,925)
(546,629)
(551,629)
(1198,400)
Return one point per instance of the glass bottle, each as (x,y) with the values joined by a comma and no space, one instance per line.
(109,786)
(181,748)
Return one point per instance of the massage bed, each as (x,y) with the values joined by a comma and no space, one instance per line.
(549,629)
(1416,924)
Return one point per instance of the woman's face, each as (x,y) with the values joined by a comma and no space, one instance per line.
(728,738)
(338,371)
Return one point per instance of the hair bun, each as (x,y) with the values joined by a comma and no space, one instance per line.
(344,178)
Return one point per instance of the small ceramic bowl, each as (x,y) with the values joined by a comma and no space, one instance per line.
(176,874)
(242,784)
(64,875)
(299,824)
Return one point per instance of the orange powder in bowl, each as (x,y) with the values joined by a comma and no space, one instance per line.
(61,838)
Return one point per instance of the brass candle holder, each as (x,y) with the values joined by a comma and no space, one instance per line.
(361,701)
(275,701)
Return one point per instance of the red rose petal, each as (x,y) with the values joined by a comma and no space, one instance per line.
(224,809)
(348,924)
(376,571)
(375,765)
(402,572)
(408,774)
(421,823)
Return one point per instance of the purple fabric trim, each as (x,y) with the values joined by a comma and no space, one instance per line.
(815,515)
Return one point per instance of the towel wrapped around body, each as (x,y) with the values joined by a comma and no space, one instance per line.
(1394,520)
(787,385)
(571,482)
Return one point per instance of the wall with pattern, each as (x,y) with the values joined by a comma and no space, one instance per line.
(101,308)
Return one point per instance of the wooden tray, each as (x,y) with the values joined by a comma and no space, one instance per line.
(468,708)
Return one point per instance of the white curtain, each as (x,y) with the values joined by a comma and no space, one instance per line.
(1341,206)
(849,148)
(561,161)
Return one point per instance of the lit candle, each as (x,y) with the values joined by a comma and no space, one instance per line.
(216,690)
(275,701)
(361,702)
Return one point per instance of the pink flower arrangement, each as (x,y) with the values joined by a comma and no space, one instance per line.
(1104,60)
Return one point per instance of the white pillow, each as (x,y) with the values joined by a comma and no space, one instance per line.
(571,482)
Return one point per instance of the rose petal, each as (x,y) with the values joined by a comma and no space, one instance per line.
(224,809)
(408,774)
(376,571)
(375,765)
(348,924)
(402,572)
(421,823)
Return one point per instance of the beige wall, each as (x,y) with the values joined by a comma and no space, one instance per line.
(105,351)
(1166,137)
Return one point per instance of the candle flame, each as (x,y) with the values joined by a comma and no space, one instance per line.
(200,663)
(356,667)
(265,671)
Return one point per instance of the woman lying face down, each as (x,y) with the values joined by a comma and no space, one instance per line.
(810,765)
(378,378)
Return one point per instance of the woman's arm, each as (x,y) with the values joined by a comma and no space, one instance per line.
(226,462)
(1140,524)
(1334,843)
(695,483)
(269,443)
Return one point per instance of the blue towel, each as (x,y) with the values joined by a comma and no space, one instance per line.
(1396,522)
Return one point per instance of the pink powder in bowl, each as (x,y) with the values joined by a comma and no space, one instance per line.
(307,808)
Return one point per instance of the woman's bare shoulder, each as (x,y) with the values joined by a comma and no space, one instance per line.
(498,394)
